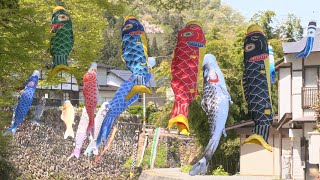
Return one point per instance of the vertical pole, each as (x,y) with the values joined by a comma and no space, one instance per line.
(144,113)
(280,153)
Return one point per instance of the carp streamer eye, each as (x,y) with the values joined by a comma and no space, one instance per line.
(205,73)
(187,34)
(127,27)
(249,47)
(63,17)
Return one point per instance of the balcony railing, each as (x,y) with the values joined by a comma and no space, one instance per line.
(309,96)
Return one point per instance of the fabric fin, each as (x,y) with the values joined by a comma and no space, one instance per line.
(92,147)
(202,166)
(10,130)
(69,132)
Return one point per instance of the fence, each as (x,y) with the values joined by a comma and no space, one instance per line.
(309,96)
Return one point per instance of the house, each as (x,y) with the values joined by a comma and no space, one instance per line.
(296,145)
(109,81)
(56,95)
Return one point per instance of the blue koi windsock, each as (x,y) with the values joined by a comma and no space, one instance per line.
(24,102)
(309,43)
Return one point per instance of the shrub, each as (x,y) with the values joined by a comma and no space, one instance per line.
(219,171)
(81,104)
(186,168)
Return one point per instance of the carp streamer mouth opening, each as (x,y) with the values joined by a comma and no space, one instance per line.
(259,57)
(195,44)
(56,26)
(136,32)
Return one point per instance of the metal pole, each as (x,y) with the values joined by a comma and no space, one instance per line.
(144,113)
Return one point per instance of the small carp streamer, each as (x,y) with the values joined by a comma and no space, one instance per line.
(215,102)
(90,93)
(188,54)
(24,103)
(67,117)
(61,42)
(81,134)
(312,27)
(135,54)
(92,147)
(257,86)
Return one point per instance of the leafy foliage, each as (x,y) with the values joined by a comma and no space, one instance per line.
(186,168)
(138,110)
(219,172)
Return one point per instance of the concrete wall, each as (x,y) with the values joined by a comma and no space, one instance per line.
(105,96)
(297,111)
(102,76)
(284,90)
(257,161)
(297,166)
(313,59)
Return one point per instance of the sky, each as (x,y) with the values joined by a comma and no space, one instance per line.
(306,10)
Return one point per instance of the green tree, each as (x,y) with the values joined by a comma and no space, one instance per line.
(265,20)
(291,30)
(154,47)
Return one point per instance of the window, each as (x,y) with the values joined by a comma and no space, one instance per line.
(65,96)
(311,76)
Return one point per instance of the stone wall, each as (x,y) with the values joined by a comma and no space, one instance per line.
(40,152)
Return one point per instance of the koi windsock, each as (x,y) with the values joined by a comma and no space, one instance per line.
(257,86)
(188,54)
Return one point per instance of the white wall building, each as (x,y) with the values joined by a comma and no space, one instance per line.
(56,95)
(298,92)
(110,80)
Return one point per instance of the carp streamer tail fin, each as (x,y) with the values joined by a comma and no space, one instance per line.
(92,147)
(259,136)
(10,130)
(75,153)
(57,69)
(138,89)
(202,166)
(69,132)
(60,59)
(182,122)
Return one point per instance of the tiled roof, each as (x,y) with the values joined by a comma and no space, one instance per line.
(125,75)
(295,47)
